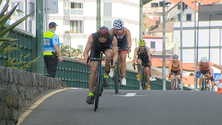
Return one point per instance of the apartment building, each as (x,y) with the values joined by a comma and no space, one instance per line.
(76,19)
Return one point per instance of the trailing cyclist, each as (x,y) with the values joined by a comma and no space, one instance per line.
(123,36)
(175,69)
(100,41)
(205,68)
(143,56)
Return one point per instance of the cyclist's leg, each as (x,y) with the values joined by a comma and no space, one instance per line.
(123,62)
(93,71)
(172,78)
(147,69)
(178,76)
(95,53)
(92,76)
(212,79)
(138,69)
(200,79)
(123,54)
(109,55)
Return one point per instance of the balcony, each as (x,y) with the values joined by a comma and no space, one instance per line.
(70,12)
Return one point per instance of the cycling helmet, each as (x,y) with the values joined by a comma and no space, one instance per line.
(103,32)
(175,56)
(204,59)
(118,24)
(142,42)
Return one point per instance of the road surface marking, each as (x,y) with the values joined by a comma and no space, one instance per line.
(130,95)
(37,103)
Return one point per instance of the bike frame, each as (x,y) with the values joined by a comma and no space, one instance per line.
(98,88)
(175,83)
(204,87)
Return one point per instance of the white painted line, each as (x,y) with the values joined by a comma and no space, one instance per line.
(74,88)
(37,103)
(130,94)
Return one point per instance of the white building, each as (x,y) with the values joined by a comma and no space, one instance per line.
(76,19)
(202,36)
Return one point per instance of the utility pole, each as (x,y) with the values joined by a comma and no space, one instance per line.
(181,38)
(195,43)
(98,19)
(141,19)
(164,47)
(39,37)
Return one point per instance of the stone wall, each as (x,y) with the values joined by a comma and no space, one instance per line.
(18,88)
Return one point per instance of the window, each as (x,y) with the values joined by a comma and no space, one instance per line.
(30,26)
(189,16)
(108,24)
(154,4)
(76,8)
(178,17)
(168,3)
(107,9)
(76,26)
(31,8)
(153,44)
(20,7)
(184,7)
(161,3)
(75,5)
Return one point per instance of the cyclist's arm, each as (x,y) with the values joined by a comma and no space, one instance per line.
(197,68)
(88,47)
(115,49)
(170,66)
(210,68)
(135,53)
(181,67)
(128,38)
(112,31)
(148,53)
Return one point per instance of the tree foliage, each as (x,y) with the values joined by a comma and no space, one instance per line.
(68,51)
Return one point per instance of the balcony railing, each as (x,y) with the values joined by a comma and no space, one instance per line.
(74,12)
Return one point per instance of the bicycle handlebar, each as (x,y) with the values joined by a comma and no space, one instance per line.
(136,64)
(99,59)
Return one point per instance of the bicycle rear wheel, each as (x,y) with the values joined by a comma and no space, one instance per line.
(143,79)
(203,84)
(175,84)
(116,79)
(97,92)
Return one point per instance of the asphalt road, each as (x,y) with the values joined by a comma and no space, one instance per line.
(152,107)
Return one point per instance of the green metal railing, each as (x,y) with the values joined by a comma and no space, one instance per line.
(25,45)
(76,74)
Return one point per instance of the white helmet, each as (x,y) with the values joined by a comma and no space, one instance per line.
(204,59)
(118,24)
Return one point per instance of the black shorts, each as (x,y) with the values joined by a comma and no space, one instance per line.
(205,72)
(95,51)
(175,72)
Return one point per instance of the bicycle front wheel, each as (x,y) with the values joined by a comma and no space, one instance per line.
(203,84)
(97,92)
(175,84)
(116,79)
(143,79)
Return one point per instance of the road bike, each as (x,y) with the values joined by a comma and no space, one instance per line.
(98,88)
(143,79)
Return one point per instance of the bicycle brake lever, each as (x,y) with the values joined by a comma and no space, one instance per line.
(88,60)
(111,61)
